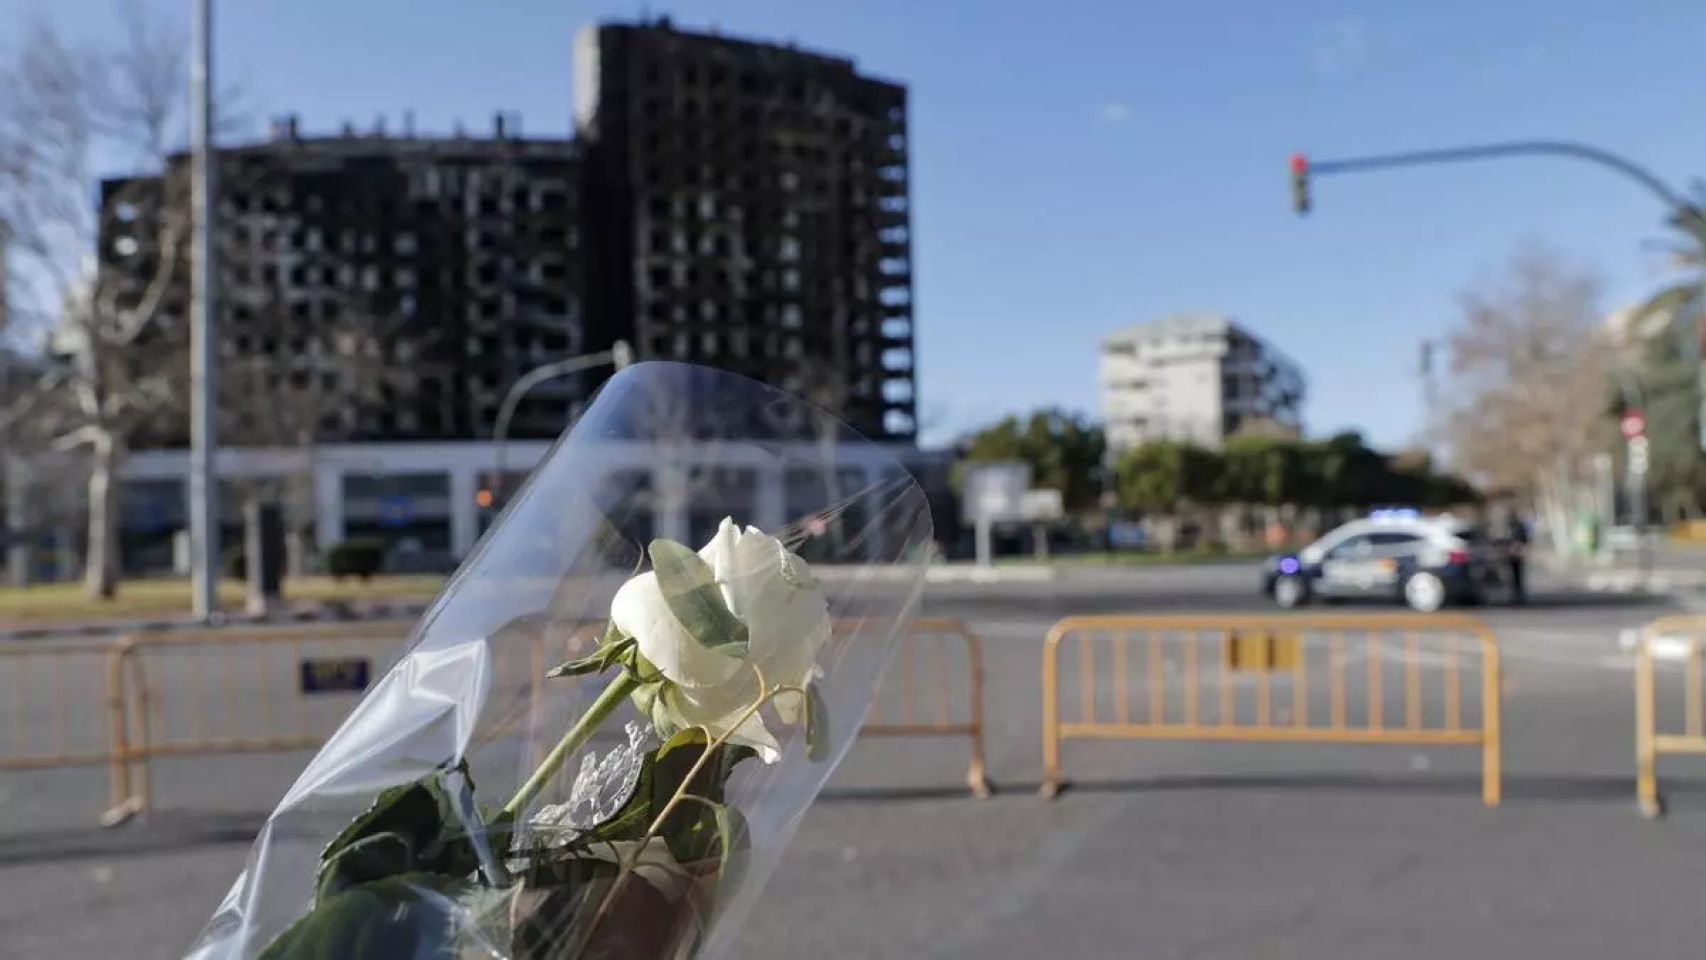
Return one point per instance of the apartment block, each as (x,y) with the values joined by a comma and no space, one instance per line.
(1198,378)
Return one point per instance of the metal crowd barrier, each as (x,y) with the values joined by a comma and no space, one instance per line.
(926,694)
(241,691)
(1209,678)
(1677,638)
(63,707)
(127,704)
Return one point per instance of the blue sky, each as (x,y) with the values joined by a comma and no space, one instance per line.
(1081,165)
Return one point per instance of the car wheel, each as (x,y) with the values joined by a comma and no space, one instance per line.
(1290,592)
(1424,592)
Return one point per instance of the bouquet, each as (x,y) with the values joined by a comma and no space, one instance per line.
(630,801)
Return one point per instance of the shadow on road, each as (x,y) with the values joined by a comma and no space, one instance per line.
(1517,789)
(162,833)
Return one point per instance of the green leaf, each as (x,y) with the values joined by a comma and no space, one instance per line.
(690,588)
(598,661)
(413,828)
(413,915)
(817,725)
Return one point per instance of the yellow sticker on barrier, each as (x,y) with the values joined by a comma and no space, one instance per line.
(1262,650)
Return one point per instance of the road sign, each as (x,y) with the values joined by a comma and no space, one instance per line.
(1638,455)
(994,492)
(334,676)
(396,510)
(1633,424)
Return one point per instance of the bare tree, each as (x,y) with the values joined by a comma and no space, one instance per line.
(62,105)
(106,283)
(1530,361)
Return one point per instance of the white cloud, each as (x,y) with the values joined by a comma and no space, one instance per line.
(1339,47)
(1114,112)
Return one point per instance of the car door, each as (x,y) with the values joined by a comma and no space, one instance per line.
(1348,567)
(1395,554)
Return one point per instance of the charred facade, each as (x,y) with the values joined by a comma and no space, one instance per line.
(406,281)
(750,203)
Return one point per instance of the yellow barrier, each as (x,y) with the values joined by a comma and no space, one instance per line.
(1273,651)
(904,678)
(50,712)
(1686,633)
(242,691)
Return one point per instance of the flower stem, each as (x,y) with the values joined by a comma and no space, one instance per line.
(620,687)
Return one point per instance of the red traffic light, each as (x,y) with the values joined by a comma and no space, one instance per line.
(1299,165)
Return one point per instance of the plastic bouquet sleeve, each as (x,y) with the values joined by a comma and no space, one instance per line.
(600,737)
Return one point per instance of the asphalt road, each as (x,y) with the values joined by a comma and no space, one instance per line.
(1160,850)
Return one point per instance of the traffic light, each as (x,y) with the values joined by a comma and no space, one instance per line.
(1300,183)
(483,499)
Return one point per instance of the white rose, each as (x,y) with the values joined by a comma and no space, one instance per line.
(770,590)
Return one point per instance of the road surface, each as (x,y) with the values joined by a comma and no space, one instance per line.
(1160,850)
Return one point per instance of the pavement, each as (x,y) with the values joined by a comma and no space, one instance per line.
(1166,850)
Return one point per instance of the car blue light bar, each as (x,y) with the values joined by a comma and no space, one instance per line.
(1396,514)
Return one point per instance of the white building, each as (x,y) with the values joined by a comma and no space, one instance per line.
(423,499)
(1194,377)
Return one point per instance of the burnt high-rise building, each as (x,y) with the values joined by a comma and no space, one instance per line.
(749,209)
(386,286)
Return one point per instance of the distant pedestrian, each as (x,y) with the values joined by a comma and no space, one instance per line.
(1511,534)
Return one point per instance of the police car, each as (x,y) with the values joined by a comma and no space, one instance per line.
(1423,562)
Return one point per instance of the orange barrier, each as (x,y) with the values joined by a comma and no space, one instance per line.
(1273,653)
(1682,638)
(64,707)
(243,690)
(932,696)
(198,693)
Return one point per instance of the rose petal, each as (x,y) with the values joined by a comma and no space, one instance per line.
(742,562)
(640,611)
(721,711)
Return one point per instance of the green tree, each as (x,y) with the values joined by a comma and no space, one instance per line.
(1670,384)
(1168,476)
(1343,472)
(1264,472)
(1065,452)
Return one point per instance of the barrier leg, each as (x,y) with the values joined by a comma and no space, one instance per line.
(1052,783)
(1646,727)
(1492,729)
(976,777)
(121,797)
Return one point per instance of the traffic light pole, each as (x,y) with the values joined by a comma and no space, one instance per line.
(1684,216)
(1689,216)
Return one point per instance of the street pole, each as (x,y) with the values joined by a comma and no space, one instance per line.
(618,356)
(1685,216)
(1635,463)
(1688,215)
(203,482)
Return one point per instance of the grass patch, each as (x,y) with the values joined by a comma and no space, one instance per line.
(66,602)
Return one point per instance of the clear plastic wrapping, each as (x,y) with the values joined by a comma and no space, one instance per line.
(606,728)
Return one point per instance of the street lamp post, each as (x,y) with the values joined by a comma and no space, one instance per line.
(203,498)
(618,356)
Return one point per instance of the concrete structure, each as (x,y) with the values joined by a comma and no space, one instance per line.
(750,204)
(385,286)
(422,498)
(1201,378)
